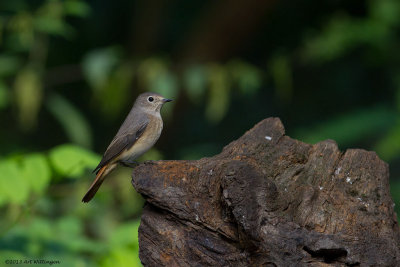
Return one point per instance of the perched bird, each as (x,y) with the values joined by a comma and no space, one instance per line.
(139,132)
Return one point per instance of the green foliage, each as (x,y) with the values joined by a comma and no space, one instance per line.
(72,161)
(350,128)
(389,146)
(73,122)
(343,33)
(98,64)
(24,33)
(282,75)
(122,257)
(218,98)
(36,172)
(8,65)
(395,192)
(31,173)
(76,8)
(22,175)
(340,36)
(24,183)
(110,78)
(62,238)
(124,246)
(156,76)
(28,96)
(27,181)
(11,182)
(195,82)
(4,95)
(247,77)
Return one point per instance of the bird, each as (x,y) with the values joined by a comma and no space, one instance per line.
(137,134)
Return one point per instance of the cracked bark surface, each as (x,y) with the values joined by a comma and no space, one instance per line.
(269,200)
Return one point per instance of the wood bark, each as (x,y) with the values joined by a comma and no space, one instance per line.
(269,200)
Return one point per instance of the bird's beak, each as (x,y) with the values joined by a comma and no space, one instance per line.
(165,100)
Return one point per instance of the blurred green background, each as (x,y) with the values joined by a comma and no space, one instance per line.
(70,71)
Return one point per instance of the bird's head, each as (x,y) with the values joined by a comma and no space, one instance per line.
(151,102)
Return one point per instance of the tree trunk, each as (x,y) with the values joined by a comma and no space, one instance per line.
(269,200)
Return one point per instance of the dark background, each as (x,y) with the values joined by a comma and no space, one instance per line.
(70,71)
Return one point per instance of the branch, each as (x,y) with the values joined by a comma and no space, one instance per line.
(269,200)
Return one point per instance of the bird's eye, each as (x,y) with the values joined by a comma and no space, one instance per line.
(151,99)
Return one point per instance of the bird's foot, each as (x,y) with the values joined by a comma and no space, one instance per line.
(131,164)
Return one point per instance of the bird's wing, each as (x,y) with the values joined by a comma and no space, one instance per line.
(121,143)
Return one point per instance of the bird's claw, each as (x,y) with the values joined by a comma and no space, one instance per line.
(131,164)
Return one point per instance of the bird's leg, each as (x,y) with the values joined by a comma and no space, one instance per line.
(129,164)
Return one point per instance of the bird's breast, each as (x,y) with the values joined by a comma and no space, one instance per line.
(146,141)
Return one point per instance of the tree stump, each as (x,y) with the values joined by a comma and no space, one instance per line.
(269,200)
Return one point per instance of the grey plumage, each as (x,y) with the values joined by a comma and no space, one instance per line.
(138,133)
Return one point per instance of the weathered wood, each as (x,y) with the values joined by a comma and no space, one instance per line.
(269,200)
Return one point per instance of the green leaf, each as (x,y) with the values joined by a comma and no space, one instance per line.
(77,8)
(395,192)
(18,176)
(122,257)
(72,161)
(36,171)
(13,186)
(74,124)
(21,35)
(71,236)
(125,235)
(53,26)
(246,76)
(28,96)
(39,229)
(50,19)
(155,76)
(195,79)
(218,99)
(348,128)
(397,83)
(114,95)
(344,33)
(98,64)
(389,146)
(386,11)
(9,65)
(281,71)
(70,226)
(165,83)
(4,95)
(2,24)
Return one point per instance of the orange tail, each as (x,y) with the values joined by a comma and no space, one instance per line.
(97,183)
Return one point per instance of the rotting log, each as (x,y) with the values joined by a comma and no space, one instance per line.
(269,200)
